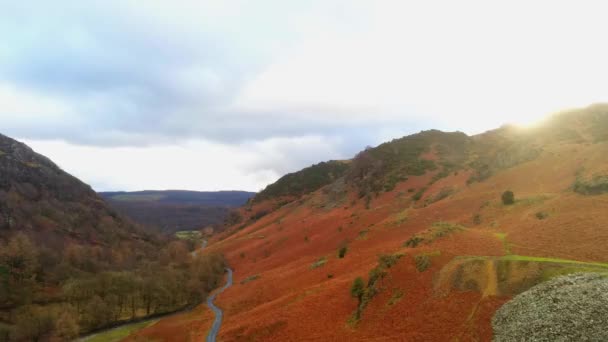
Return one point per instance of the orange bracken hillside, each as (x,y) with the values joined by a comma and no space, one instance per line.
(423,224)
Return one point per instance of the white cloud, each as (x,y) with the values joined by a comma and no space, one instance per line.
(239,92)
(193,165)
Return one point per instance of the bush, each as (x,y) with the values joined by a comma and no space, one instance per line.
(357,289)
(423,262)
(413,242)
(541,215)
(342,252)
(418,195)
(508,197)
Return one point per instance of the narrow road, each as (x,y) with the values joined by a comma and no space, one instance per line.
(215,328)
(203,245)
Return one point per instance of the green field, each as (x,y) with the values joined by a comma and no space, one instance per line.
(118,334)
(189,235)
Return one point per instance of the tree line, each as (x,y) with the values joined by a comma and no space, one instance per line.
(58,295)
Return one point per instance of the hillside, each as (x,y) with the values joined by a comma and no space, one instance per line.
(171,211)
(70,264)
(414,240)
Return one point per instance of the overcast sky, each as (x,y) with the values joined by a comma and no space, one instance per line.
(209,95)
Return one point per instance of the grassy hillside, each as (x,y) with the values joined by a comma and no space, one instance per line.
(305,181)
(421,222)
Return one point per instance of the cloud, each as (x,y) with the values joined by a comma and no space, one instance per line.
(287,81)
(193,164)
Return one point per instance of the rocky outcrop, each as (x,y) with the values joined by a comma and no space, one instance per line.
(568,308)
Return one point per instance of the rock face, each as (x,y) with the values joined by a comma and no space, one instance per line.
(569,308)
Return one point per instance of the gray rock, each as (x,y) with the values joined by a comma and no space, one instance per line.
(568,308)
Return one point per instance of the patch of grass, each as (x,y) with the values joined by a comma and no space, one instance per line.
(250,279)
(437,230)
(554,260)
(442,194)
(319,263)
(503,238)
(395,298)
(189,235)
(477,219)
(532,200)
(363,234)
(418,195)
(118,334)
(402,216)
(595,186)
(423,262)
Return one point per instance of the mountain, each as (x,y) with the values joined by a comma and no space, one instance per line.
(51,206)
(171,211)
(70,264)
(421,238)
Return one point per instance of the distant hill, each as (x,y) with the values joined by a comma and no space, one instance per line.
(50,205)
(174,210)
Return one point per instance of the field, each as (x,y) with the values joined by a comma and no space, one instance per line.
(118,334)
(189,235)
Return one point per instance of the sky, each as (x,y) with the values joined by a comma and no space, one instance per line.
(233,94)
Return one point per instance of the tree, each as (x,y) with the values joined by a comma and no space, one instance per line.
(32,323)
(20,259)
(358,289)
(508,197)
(66,326)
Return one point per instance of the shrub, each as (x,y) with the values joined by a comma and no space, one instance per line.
(477,219)
(423,262)
(250,279)
(418,195)
(413,242)
(342,252)
(541,215)
(322,261)
(596,186)
(508,197)
(357,289)
(388,260)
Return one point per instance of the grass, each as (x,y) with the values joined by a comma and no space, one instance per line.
(250,279)
(319,263)
(115,335)
(423,262)
(402,216)
(188,235)
(395,298)
(503,238)
(553,260)
(436,231)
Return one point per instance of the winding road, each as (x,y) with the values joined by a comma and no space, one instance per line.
(215,328)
